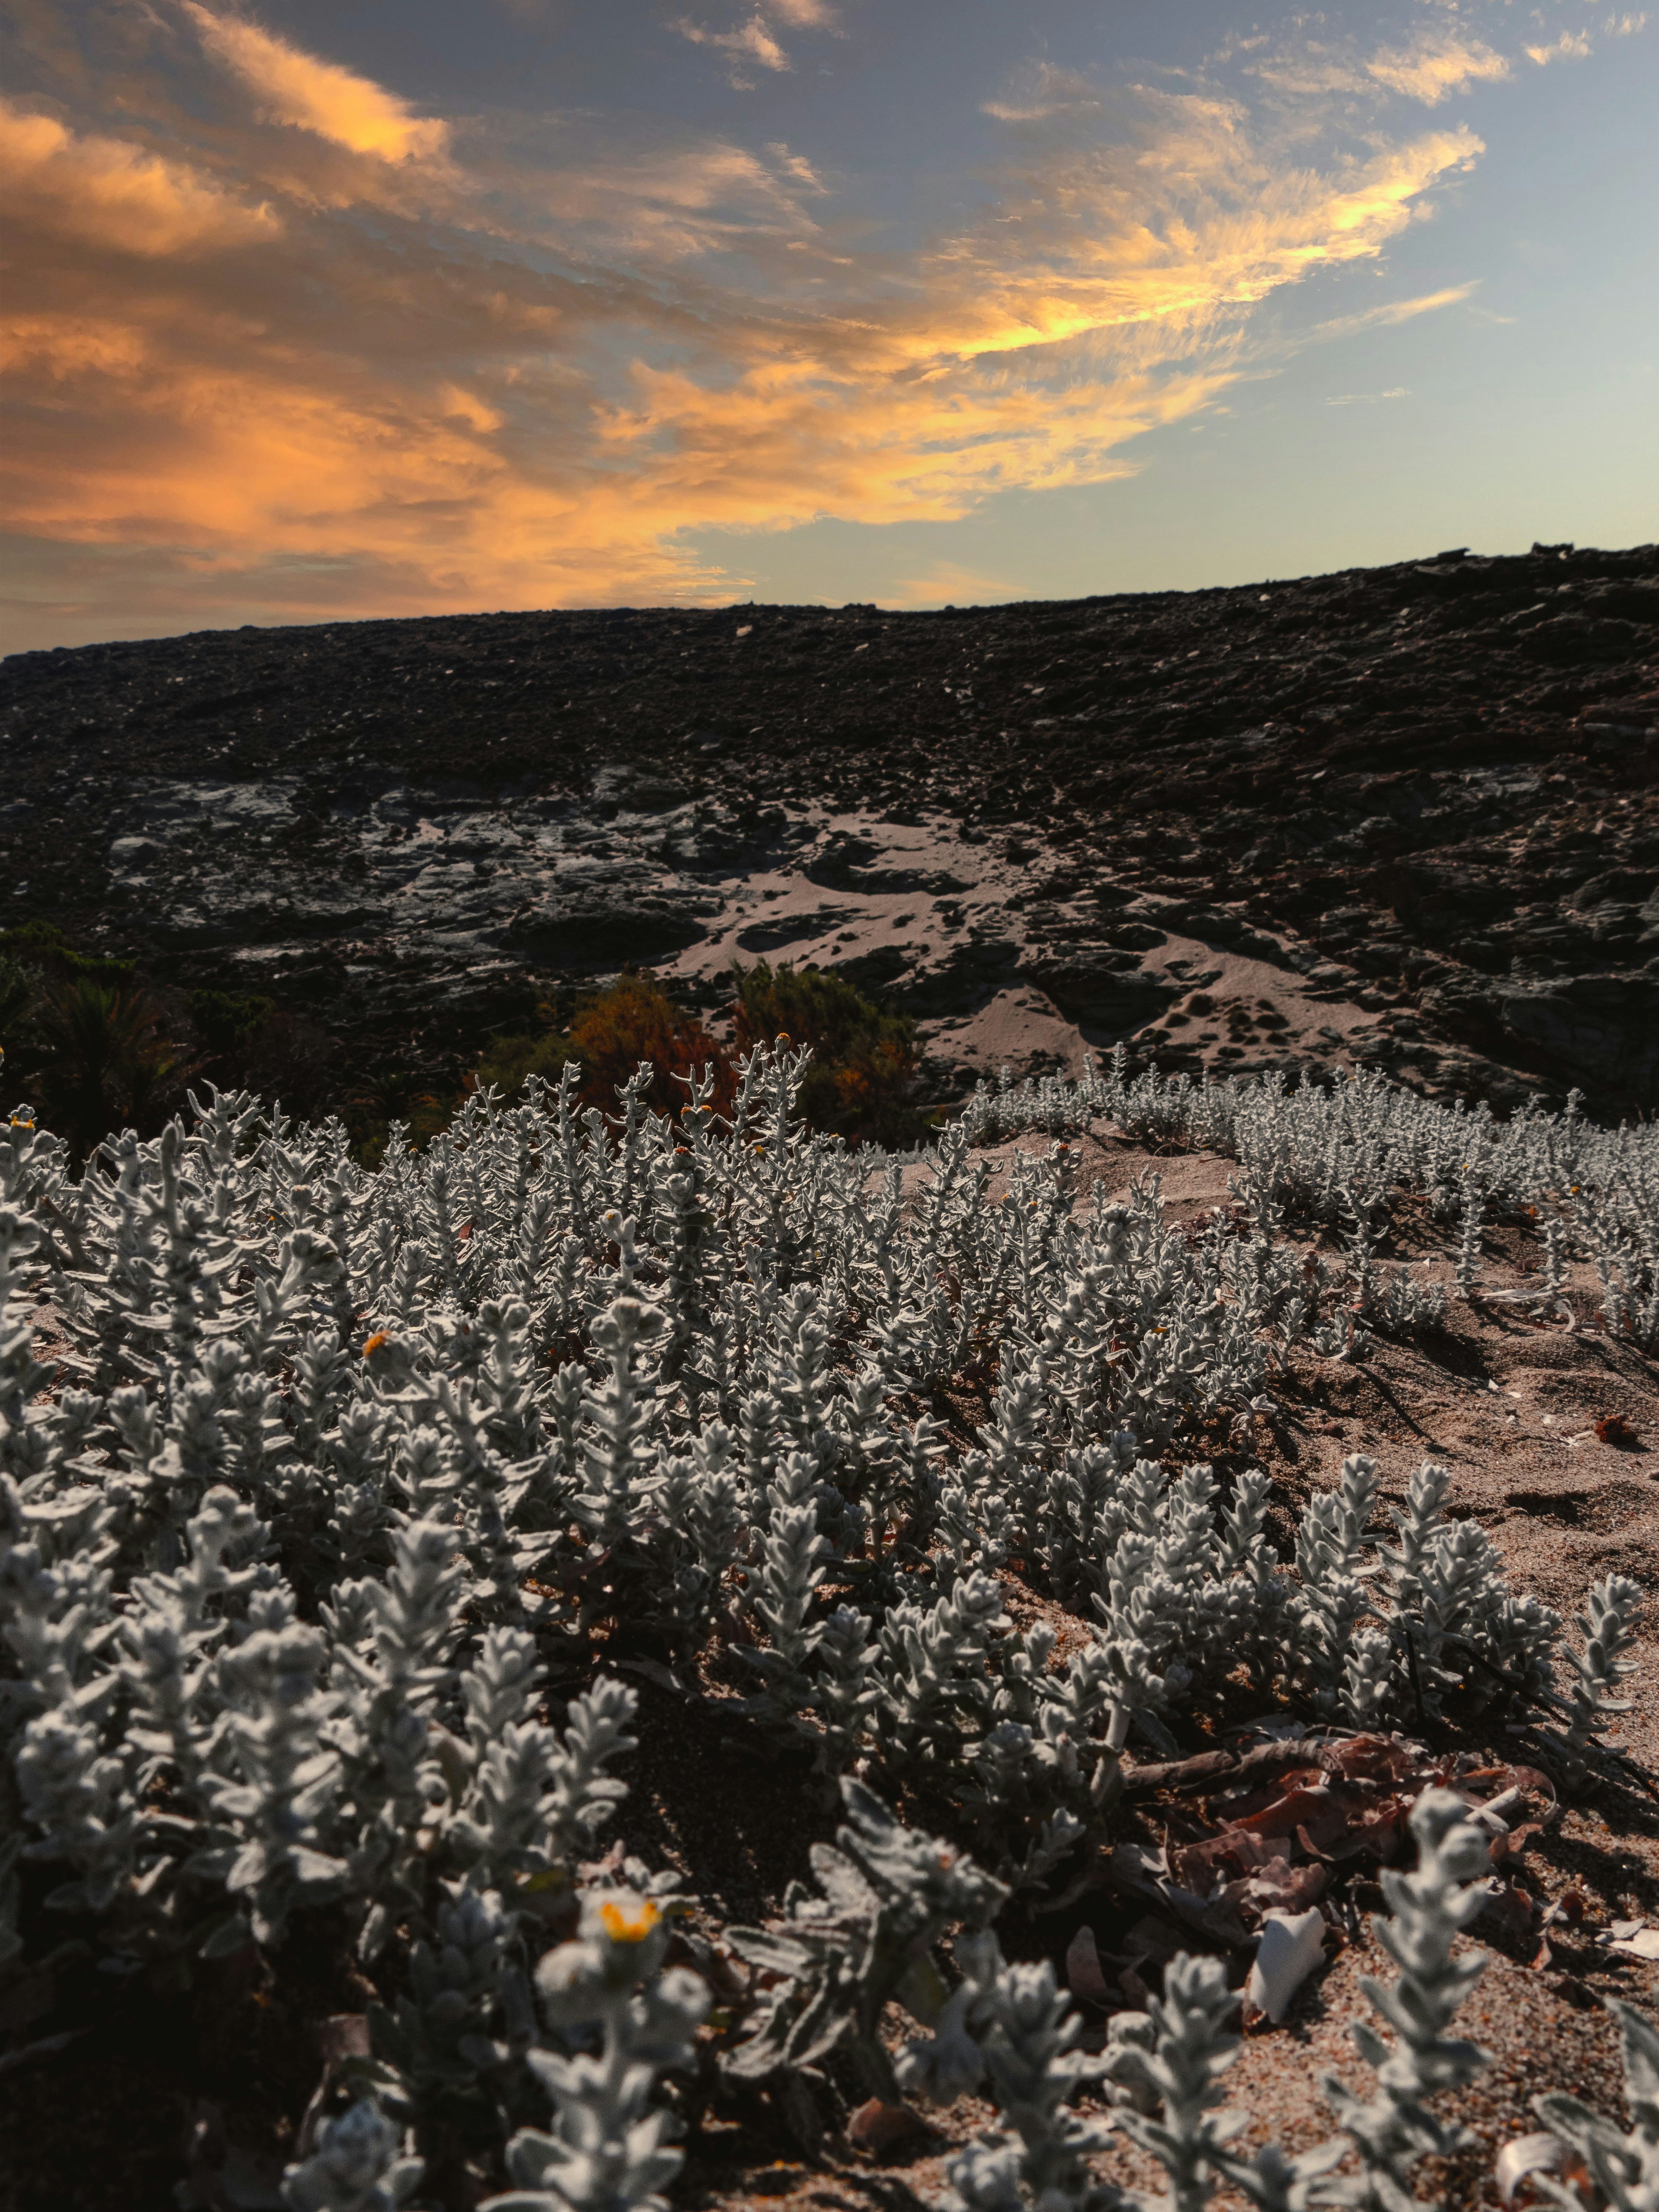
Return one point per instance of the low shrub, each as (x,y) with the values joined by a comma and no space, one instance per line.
(861,1083)
(99,1043)
(44,944)
(96,1044)
(227,1020)
(35,940)
(108,1059)
(634,1020)
(20,987)
(322,1478)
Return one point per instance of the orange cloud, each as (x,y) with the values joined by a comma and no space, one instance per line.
(1439,59)
(947,583)
(1437,63)
(527,380)
(1571,46)
(1186,221)
(116,195)
(753,41)
(295,88)
(1396,311)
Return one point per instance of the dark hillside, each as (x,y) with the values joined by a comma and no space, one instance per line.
(1428,788)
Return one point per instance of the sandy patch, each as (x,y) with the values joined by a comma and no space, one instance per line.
(1010,956)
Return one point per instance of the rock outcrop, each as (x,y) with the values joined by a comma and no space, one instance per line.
(1404,815)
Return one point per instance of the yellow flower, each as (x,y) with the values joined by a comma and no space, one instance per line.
(18,1122)
(783,1037)
(376,1342)
(624,1927)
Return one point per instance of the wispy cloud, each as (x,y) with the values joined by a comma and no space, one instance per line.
(1043,92)
(295,88)
(1440,60)
(948,584)
(1395,311)
(373,360)
(1367,399)
(1571,46)
(755,42)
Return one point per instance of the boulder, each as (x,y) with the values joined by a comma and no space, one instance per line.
(602,930)
(1568,640)
(1603,1029)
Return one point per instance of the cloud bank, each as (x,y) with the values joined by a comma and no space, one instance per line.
(281,344)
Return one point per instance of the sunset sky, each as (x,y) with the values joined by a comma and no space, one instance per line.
(399,306)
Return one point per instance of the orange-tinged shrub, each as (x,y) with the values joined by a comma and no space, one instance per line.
(635,1019)
(859,1084)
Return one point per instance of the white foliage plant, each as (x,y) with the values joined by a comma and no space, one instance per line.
(312,1478)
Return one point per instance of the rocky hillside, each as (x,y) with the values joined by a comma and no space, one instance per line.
(1405,816)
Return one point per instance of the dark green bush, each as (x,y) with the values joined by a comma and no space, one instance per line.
(43,944)
(36,941)
(108,1062)
(20,987)
(862,1078)
(97,1046)
(391,1092)
(226,1020)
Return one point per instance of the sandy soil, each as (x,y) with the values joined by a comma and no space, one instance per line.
(927,911)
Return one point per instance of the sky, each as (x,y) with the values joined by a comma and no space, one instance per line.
(357,307)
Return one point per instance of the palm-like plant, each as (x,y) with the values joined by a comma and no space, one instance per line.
(108,1061)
